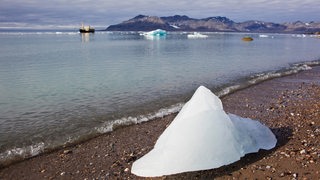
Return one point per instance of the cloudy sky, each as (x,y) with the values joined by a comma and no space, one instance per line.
(107,12)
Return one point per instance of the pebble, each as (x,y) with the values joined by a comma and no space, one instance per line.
(67,151)
(285,154)
(303,151)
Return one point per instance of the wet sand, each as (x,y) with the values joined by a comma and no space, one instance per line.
(289,105)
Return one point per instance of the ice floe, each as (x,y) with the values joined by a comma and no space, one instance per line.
(155,33)
(263,35)
(203,136)
(196,35)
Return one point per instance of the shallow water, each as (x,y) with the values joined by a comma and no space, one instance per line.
(62,87)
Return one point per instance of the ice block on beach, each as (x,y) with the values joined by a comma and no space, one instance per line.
(203,136)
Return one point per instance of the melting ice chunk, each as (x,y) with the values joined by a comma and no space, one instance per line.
(196,35)
(202,136)
(158,32)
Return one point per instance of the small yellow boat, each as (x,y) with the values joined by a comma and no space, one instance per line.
(247,38)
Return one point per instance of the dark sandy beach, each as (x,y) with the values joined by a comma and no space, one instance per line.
(289,105)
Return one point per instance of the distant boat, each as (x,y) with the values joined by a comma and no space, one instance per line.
(247,38)
(86,29)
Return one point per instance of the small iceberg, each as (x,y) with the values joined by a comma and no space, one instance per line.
(155,33)
(301,35)
(203,136)
(263,36)
(196,35)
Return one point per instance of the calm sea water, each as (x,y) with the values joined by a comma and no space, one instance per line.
(58,88)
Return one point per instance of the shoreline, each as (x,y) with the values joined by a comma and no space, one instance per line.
(111,155)
(17,154)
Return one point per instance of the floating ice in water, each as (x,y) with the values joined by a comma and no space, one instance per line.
(197,35)
(203,136)
(158,32)
(300,35)
(263,36)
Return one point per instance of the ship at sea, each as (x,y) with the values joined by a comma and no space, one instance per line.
(86,29)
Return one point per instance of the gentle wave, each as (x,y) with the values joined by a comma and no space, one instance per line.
(257,78)
(21,153)
(18,154)
(110,126)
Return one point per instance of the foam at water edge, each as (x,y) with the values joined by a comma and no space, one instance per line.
(255,79)
(110,126)
(291,70)
(228,90)
(17,154)
(295,68)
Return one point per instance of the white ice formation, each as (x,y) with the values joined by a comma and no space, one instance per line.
(202,136)
(157,32)
(196,35)
(263,36)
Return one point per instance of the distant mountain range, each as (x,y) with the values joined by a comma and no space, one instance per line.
(211,24)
